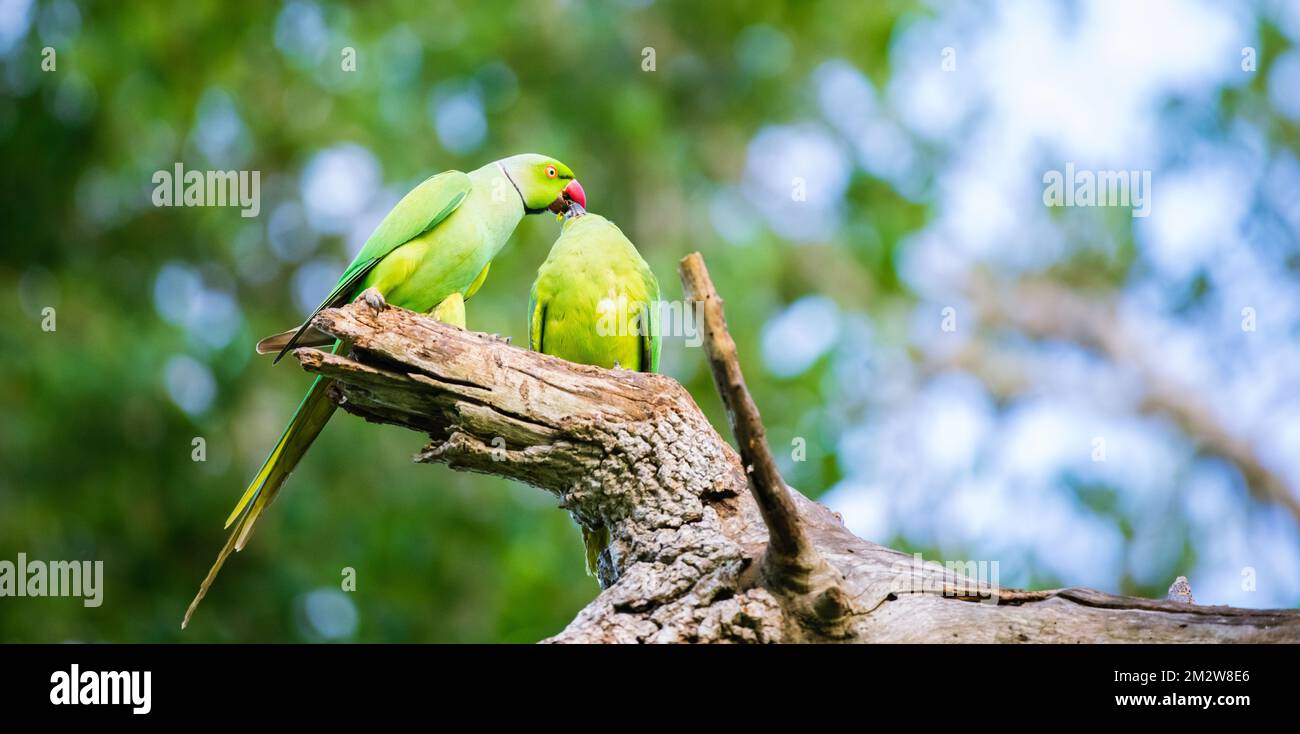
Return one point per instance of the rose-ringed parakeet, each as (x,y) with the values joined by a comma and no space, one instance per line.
(429,254)
(595,301)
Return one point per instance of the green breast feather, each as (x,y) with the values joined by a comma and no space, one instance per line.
(595,300)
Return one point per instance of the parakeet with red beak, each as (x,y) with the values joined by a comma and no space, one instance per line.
(595,301)
(429,254)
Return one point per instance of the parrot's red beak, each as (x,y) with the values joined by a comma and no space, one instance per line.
(574,192)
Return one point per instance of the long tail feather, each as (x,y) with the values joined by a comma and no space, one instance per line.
(212,575)
(277,342)
(312,414)
(307,422)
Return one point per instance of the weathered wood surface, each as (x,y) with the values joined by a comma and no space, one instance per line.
(633,453)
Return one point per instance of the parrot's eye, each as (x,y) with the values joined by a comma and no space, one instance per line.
(550,171)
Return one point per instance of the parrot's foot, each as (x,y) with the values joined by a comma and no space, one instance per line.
(617,365)
(374,299)
(499,338)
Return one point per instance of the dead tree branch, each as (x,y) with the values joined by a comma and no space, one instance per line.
(633,453)
(791,564)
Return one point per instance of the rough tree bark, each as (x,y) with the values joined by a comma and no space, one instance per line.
(690,558)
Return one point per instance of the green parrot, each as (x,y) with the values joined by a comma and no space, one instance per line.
(429,254)
(595,301)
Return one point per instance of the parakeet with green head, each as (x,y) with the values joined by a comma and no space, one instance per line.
(595,301)
(429,254)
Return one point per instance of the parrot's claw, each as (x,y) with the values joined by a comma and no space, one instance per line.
(617,365)
(374,299)
(499,338)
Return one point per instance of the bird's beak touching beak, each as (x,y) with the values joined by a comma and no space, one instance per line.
(571,193)
(574,192)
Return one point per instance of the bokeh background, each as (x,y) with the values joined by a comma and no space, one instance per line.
(1100,412)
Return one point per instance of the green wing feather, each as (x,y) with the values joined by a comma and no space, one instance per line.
(651,342)
(536,321)
(422,209)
